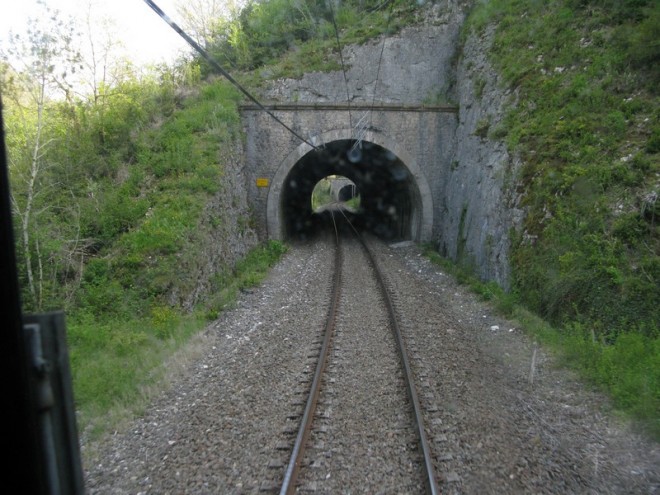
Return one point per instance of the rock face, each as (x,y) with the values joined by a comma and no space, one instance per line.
(223,235)
(479,206)
(415,66)
(474,192)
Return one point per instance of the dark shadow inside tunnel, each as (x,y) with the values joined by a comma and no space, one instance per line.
(389,201)
(347,193)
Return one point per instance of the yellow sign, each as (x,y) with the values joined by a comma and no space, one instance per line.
(262,182)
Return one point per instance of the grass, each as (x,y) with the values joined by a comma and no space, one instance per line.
(626,367)
(114,363)
(321,194)
(319,53)
(119,364)
(148,222)
(151,226)
(585,126)
(247,273)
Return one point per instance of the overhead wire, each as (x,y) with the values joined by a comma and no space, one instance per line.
(205,55)
(341,60)
(380,61)
(358,142)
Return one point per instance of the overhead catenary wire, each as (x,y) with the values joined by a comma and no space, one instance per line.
(380,61)
(341,60)
(222,71)
(358,142)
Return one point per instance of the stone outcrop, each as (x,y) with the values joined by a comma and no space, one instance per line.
(415,66)
(479,207)
(474,204)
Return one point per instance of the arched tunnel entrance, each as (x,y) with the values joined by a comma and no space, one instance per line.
(333,191)
(347,192)
(390,200)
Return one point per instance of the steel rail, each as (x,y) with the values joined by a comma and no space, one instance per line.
(431,478)
(293,468)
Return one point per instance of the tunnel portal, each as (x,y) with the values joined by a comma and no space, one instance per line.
(390,202)
(346,193)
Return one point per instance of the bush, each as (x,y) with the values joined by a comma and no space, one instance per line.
(628,368)
(585,74)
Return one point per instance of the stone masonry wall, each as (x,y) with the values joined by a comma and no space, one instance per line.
(469,171)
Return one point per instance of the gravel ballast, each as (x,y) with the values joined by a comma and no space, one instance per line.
(364,438)
(220,424)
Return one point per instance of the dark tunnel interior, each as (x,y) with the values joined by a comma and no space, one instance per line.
(389,195)
(347,192)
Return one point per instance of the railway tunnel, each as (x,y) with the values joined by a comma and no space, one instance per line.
(347,192)
(390,202)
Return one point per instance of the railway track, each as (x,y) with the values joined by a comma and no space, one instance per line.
(362,391)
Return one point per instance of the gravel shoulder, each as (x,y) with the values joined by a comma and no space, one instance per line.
(499,431)
(217,427)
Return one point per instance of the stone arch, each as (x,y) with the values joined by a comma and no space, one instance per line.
(421,225)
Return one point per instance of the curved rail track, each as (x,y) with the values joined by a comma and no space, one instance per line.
(290,481)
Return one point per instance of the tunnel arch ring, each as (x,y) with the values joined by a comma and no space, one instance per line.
(421,228)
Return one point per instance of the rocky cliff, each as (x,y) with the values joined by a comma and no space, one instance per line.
(479,207)
(428,64)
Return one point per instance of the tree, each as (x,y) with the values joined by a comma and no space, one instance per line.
(37,68)
(204,19)
(102,69)
(100,60)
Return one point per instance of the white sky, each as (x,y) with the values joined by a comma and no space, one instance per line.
(146,37)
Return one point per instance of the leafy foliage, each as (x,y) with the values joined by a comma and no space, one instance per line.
(587,257)
(626,365)
(247,273)
(124,177)
(321,194)
(121,188)
(303,32)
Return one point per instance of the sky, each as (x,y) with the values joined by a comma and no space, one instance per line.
(145,36)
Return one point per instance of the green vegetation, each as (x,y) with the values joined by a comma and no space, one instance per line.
(353,203)
(628,367)
(109,192)
(290,37)
(321,194)
(115,361)
(155,212)
(586,127)
(137,181)
(110,189)
(247,273)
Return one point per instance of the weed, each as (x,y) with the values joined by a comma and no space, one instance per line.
(625,364)
(482,127)
(586,128)
(113,360)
